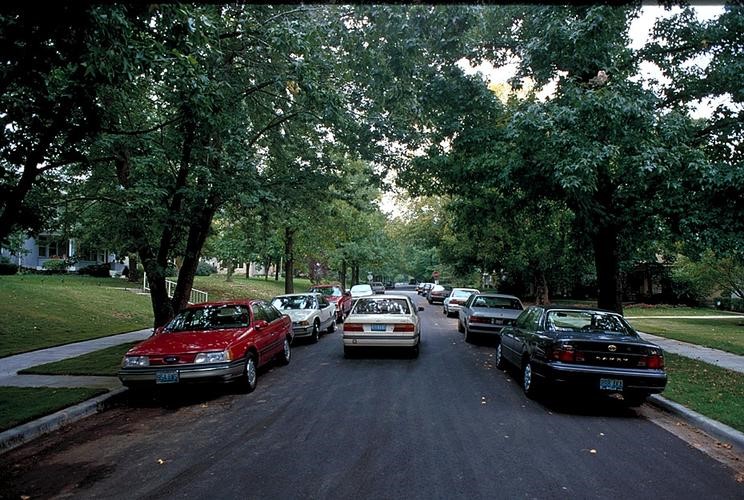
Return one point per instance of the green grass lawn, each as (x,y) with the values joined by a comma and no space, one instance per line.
(241,288)
(104,363)
(665,310)
(724,334)
(44,311)
(19,405)
(715,392)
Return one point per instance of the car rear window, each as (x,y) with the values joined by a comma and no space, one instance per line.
(497,302)
(381,306)
(586,321)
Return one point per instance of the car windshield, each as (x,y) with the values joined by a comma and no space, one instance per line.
(381,306)
(293,302)
(593,321)
(462,293)
(328,291)
(209,318)
(497,302)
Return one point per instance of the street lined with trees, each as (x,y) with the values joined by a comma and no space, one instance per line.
(268,133)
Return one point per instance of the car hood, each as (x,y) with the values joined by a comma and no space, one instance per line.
(187,342)
(298,314)
(490,312)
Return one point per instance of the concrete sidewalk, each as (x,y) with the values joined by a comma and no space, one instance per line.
(10,365)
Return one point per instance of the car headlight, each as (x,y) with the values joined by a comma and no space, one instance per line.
(303,322)
(132,361)
(211,357)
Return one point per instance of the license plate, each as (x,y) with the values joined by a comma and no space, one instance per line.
(611,384)
(379,328)
(166,377)
(495,321)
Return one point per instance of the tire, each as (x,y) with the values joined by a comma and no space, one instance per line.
(415,350)
(286,355)
(316,332)
(444,311)
(468,335)
(460,328)
(530,383)
(499,358)
(348,351)
(331,327)
(249,379)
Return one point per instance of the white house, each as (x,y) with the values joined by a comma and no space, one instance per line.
(48,246)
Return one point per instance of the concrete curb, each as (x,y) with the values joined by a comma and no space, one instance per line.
(708,425)
(17,436)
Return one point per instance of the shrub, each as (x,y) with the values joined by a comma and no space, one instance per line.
(97,270)
(56,266)
(730,304)
(7,266)
(205,269)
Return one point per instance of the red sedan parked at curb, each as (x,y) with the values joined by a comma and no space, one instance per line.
(334,293)
(211,342)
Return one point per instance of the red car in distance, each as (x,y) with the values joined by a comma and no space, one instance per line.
(334,293)
(211,342)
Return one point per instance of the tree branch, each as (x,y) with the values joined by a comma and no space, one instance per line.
(273,123)
(145,131)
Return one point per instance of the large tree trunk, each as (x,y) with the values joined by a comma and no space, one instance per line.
(288,260)
(134,275)
(161,305)
(354,274)
(230,270)
(342,274)
(541,289)
(608,269)
(278,269)
(198,232)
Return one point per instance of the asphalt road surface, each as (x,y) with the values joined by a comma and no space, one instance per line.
(446,425)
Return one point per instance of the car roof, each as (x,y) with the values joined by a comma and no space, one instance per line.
(500,295)
(314,294)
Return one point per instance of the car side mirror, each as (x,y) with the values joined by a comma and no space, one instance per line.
(260,324)
(347,293)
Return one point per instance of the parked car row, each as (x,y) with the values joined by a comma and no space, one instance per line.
(228,341)
(553,346)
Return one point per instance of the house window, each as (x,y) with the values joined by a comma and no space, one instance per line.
(49,247)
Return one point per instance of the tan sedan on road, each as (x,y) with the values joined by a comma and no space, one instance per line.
(383,321)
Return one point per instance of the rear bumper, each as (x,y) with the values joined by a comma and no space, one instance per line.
(215,372)
(485,329)
(588,377)
(379,340)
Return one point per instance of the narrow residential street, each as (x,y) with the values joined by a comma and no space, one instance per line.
(445,425)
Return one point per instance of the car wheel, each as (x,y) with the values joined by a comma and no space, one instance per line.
(286,355)
(249,379)
(468,335)
(316,332)
(348,351)
(459,327)
(444,311)
(499,358)
(331,327)
(415,350)
(530,384)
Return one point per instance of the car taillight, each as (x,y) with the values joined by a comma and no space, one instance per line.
(566,354)
(479,319)
(404,328)
(652,361)
(353,327)
(455,301)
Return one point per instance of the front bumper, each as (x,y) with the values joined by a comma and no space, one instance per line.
(213,372)
(588,377)
(302,331)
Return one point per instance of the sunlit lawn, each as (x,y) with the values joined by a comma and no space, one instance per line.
(241,288)
(724,334)
(44,311)
(715,392)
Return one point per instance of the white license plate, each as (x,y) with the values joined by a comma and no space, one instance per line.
(166,377)
(379,328)
(611,384)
